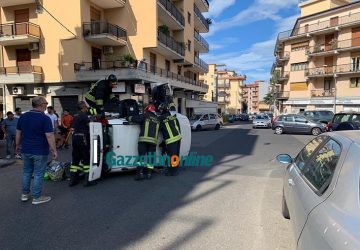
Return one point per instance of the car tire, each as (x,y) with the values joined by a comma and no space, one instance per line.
(284,208)
(217,127)
(279,130)
(198,128)
(316,131)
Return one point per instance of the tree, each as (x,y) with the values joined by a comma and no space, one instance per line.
(269,98)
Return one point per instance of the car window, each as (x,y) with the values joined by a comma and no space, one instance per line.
(321,167)
(204,118)
(341,118)
(307,151)
(289,118)
(212,116)
(279,119)
(355,118)
(300,119)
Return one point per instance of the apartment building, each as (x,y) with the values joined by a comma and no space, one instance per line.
(225,88)
(318,61)
(58,49)
(250,95)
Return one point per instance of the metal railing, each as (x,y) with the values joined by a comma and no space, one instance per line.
(201,63)
(201,40)
(283,56)
(348,68)
(282,95)
(26,69)
(171,8)
(334,45)
(322,93)
(284,75)
(201,17)
(137,65)
(99,27)
(171,43)
(320,71)
(14,29)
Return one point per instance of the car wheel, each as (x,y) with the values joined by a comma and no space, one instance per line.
(198,128)
(316,131)
(217,127)
(284,208)
(279,130)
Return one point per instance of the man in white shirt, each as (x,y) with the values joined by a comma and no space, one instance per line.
(53,117)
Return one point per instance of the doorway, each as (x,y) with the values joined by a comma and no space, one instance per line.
(153,63)
(96,57)
(21,21)
(355,35)
(329,42)
(23,60)
(327,86)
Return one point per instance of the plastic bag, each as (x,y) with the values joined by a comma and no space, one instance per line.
(55,170)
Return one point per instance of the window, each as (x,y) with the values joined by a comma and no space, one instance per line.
(342,118)
(355,82)
(300,119)
(299,66)
(355,61)
(299,46)
(204,118)
(307,151)
(321,167)
(289,118)
(189,45)
(212,116)
(189,18)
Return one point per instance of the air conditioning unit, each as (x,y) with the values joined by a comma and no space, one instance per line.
(33,46)
(108,50)
(38,90)
(18,90)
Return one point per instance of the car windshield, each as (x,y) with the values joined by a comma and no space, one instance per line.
(262,117)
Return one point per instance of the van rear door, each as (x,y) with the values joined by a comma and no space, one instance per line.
(96,150)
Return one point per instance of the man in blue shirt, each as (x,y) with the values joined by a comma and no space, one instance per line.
(9,129)
(34,136)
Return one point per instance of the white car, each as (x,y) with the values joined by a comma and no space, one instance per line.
(206,121)
(262,121)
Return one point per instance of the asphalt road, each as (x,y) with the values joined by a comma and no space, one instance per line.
(235,204)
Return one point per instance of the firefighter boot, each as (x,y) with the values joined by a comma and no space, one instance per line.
(139,174)
(148,174)
(74,179)
(89,183)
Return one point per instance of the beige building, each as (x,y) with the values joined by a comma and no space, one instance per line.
(318,61)
(228,93)
(58,52)
(250,94)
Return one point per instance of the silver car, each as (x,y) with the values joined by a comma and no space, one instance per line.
(206,121)
(321,192)
(291,123)
(262,121)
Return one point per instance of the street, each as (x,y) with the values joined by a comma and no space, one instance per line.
(235,204)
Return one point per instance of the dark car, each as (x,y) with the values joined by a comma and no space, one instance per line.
(243,117)
(345,121)
(292,123)
(231,118)
(323,116)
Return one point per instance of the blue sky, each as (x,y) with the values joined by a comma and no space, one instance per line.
(243,34)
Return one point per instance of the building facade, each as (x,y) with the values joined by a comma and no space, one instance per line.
(250,94)
(49,51)
(318,62)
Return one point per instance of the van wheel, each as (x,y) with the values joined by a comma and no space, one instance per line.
(315,131)
(198,128)
(285,210)
(279,130)
(217,127)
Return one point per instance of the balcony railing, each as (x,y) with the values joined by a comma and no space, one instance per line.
(284,56)
(98,27)
(171,8)
(351,68)
(322,93)
(320,71)
(334,45)
(21,70)
(282,95)
(201,17)
(17,29)
(145,67)
(171,43)
(284,75)
(203,65)
(201,40)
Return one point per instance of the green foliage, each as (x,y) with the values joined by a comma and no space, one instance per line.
(128,58)
(269,98)
(164,29)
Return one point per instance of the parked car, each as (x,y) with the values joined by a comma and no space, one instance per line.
(292,123)
(348,121)
(243,117)
(262,121)
(323,116)
(232,118)
(321,192)
(206,121)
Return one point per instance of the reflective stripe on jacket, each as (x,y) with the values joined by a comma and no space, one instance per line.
(170,128)
(149,127)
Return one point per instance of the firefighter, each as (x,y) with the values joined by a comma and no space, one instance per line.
(81,146)
(170,129)
(148,138)
(99,93)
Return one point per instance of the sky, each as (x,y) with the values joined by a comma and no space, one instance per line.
(243,34)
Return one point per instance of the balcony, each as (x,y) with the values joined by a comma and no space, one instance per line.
(321,93)
(201,44)
(334,47)
(201,23)
(223,100)
(104,34)
(203,5)
(109,4)
(7,3)
(282,95)
(283,57)
(169,14)
(283,76)
(348,69)
(19,33)
(92,71)
(320,71)
(201,65)
(169,47)
(21,74)
(323,27)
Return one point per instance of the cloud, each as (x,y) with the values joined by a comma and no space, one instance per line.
(218,6)
(225,42)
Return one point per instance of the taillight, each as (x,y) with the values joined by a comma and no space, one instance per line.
(328,126)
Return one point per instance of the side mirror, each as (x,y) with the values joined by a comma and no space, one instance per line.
(284,158)
(306,121)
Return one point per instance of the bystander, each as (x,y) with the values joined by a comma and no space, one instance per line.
(9,129)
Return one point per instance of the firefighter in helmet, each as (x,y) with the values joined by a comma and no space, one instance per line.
(170,129)
(99,93)
(148,139)
(81,146)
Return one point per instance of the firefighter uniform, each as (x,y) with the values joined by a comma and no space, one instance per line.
(80,149)
(100,93)
(148,138)
(170,129)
